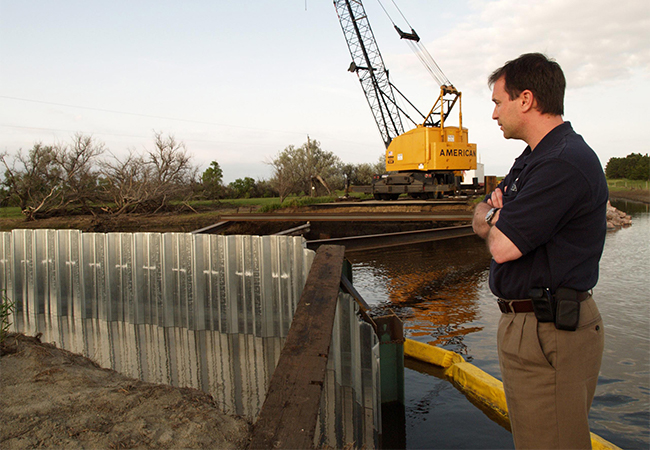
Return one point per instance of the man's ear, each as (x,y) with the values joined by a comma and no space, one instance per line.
(526,101)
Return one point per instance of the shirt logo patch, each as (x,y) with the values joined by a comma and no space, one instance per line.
(513,188)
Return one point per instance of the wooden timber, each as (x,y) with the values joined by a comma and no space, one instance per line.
(290,411)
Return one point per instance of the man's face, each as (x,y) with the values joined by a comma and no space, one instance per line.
(506,111)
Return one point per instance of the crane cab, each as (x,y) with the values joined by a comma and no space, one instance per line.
(431,148)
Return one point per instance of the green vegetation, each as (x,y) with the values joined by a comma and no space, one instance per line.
(625,183)
(620,184)
(6,308)
(634,166)
(82,177)
(295,202)
(10,212)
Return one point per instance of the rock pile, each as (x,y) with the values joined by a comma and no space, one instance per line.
(616,218)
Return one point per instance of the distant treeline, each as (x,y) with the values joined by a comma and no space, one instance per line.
(634,166)
(83,177)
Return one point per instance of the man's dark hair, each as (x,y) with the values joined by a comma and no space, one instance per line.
(538,74)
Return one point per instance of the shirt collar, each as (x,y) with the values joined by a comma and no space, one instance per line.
(550,140)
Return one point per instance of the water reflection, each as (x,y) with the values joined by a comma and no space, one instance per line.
(432,287)
(621,408)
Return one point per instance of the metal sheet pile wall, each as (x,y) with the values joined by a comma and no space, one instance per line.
(350,412)
(204,311)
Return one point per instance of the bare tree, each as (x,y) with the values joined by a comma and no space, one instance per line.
(123,182)
(79,176)
(173,172)
(149,183)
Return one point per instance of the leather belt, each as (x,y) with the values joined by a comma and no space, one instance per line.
(526,305)
(515,306)
(582,296)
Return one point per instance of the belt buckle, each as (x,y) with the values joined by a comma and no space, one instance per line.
(505,306)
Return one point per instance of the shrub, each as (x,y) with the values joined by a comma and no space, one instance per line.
(6,308)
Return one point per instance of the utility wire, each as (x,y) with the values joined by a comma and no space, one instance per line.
(420,50)
(147,115)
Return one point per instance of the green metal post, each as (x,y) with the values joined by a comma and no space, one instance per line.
(390,331)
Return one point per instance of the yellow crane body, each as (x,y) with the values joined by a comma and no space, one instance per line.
(431,148)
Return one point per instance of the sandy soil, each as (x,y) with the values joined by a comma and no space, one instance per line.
(52,398)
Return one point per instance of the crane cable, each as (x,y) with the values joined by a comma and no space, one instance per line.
(419,49)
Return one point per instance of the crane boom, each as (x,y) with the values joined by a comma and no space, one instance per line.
(427,161)
(368,64)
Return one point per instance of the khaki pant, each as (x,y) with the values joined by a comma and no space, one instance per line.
(550,377)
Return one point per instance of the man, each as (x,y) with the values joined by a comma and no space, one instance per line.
(545,226)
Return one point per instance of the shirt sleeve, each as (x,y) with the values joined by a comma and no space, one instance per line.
(549,195)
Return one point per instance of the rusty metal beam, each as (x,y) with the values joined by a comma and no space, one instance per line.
(303,227)
(347,217)
(213,227)
(388,203)
(372,241)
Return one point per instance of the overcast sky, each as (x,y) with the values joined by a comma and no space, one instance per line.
(238,81)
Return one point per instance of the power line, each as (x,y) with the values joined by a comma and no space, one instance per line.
(147,137)
(148,115)
(109,134)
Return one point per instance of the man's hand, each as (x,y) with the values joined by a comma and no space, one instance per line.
(479,225)
(500,246)
(496,200)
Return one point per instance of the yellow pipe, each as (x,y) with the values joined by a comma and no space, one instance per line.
(442,115)
(433,108)
(460,115)
(472,380)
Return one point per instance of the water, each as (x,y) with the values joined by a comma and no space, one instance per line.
(440,291)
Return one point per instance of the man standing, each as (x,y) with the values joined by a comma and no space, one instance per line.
(545,226)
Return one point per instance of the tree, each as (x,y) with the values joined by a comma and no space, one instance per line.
(634,166)
(33,181)
(243,188)
(148,183)
(212,181)
(380,166)
(360,174)
(78,173)
(299,170)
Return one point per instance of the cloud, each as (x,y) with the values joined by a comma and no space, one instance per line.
(594,42)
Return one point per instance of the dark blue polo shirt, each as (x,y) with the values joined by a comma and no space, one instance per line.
(554,211)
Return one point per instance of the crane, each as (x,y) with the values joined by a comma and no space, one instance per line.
(427,161)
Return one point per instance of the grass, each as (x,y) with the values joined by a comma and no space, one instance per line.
(621,184)
(294,202)
(11,212)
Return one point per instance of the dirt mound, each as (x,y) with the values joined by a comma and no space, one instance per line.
(52,398)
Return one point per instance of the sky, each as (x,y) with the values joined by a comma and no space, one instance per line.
(239,81)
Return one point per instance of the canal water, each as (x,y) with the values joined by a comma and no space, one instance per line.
(440,290)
